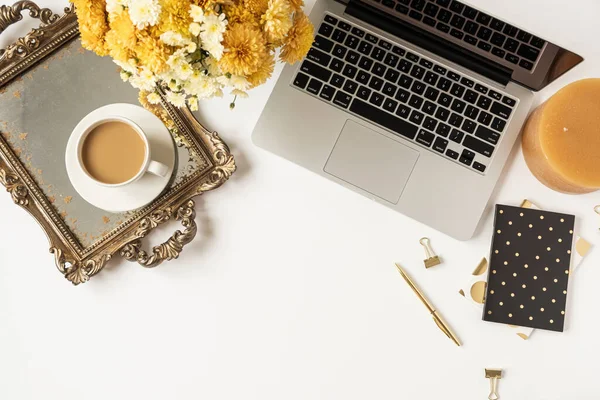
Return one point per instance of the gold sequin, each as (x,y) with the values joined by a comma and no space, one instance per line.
(559,240)
(566,272)
(531,225)
(522,306)
(526,265)
(524,286)
(548,248)
(496,251)
(551,321)
(540,237)
(510,222)
(562,312)
(535,278)
(505,262)
(489,312)
(509,315)
(550,229)
(503,283)
(492,292)
(519,234)
(571,231)
(555,280)
(521,214)
(542,309)
(493,271)
(558,260)
(512,295)
(546,269)
(516,254)
(501,211)
(564,292)
(537,257)
(532,297)
(562,220)
(544,289)
(568,251)
(507,243)
(554,300)
(514,274)
(498,231)
(501,303)
(541,217)
(531,318)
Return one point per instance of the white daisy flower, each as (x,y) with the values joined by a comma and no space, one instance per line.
(177,99)
(193,103)
(183,71)
(239,82)
(173,39)
(239,93)
(128,66)
(191,47)
(195,28)
(214,47)
(214,24)
(153,98)
(144,12)
(197,13)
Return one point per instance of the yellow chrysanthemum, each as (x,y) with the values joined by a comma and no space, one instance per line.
(264,71)
(121,39)
(299,39)
(256,7)
(238,13)
(152,52)
(297,4)
(244,49)
(175,16)
(277,20)
(93,24)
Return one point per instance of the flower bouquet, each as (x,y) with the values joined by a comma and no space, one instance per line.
(195,49)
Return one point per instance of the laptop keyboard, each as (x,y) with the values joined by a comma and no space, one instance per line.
(473,27)
(408,94)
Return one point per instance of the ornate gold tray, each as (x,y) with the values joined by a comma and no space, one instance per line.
(48,82)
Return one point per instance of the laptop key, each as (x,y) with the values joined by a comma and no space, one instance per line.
(405,65)
(484,33)
(429,107)
(469,126)
(508,101)
(431,9)
(487,134)
(500,110)
(444,84)
(398,51)
(528,52)
(389,3)
(365,63)
(498,124)
(378,69)
(483,18)
(415,101)
(416,117)
(391,60)
(358,32)
(319,57)
(378,53)
(511,45)
(456,6)
(338,36)
(442,114)
(484,102)
(470,96)
(315,70)
(337,65)
(444,100)
(383,118)
(443,3)
(467,82)
(375,83)
(452,154)
(431,78)
(417,72)
(457,21)
(429,21)
(352,57)
(512,58)
(330,19)
(376,99)
(497,25)
(498,52)
(371,38)
(322,43)
(479,167)
(405,81)
(415,15)
(325,29)
(403,111)
(327,93)
(339,51)
(466,157)
(418,87)
(455,120)
(442,27)
(352,41)
(524,36)
(471,27)
(481,88)
(365,48)
(337,80)
(444,16)
(418,4)
(301,80)
(478,146)
(402,95)
(456,136)
(314,86)
(510,30)
(469,12)
(425,138)
(389,89)
(484,46)
(364,93)
(391,75)
(429,123)
(471,40)
(471,112)
(443,129)
(440,144)
(457,90)
(457,34)
(350,71)
(537,42)
(484,118)
(390,105)
(458,106)
(385,45)
(402,9)
(363,77)
(495,95)
(498,39)
(454,76)
(342,99)
(350,86)
(431,93)
(344,25)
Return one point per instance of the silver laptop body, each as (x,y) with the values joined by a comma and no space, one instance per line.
(433,178)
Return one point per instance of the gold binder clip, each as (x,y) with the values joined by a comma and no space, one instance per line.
(432,260)
(493,375)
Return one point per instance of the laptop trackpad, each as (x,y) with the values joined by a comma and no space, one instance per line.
(371,161)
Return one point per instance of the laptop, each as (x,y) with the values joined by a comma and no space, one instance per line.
(415,104)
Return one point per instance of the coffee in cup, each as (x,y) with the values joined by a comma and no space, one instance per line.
(115,151)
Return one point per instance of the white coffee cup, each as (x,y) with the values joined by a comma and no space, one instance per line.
(148,166)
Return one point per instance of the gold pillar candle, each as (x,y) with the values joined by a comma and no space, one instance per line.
(561,139)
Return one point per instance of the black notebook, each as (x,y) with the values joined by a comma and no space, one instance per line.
(529,268)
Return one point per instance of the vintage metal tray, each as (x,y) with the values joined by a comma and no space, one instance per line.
(48,82)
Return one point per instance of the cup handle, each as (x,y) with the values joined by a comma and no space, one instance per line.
(158,169)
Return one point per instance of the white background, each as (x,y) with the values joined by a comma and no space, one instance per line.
(290,291)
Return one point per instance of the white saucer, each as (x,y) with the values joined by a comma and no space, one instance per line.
(133,195)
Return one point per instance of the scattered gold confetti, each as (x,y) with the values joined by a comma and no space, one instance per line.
(23,136)
(105,219)
(68,199)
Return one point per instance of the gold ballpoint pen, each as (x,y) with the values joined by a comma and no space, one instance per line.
(436,318)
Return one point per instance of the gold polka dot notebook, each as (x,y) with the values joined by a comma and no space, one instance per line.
(529,268)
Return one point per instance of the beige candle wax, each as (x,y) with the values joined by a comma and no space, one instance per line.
(561,139)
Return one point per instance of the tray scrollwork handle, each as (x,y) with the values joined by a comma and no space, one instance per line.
(11,14)
(170,249)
